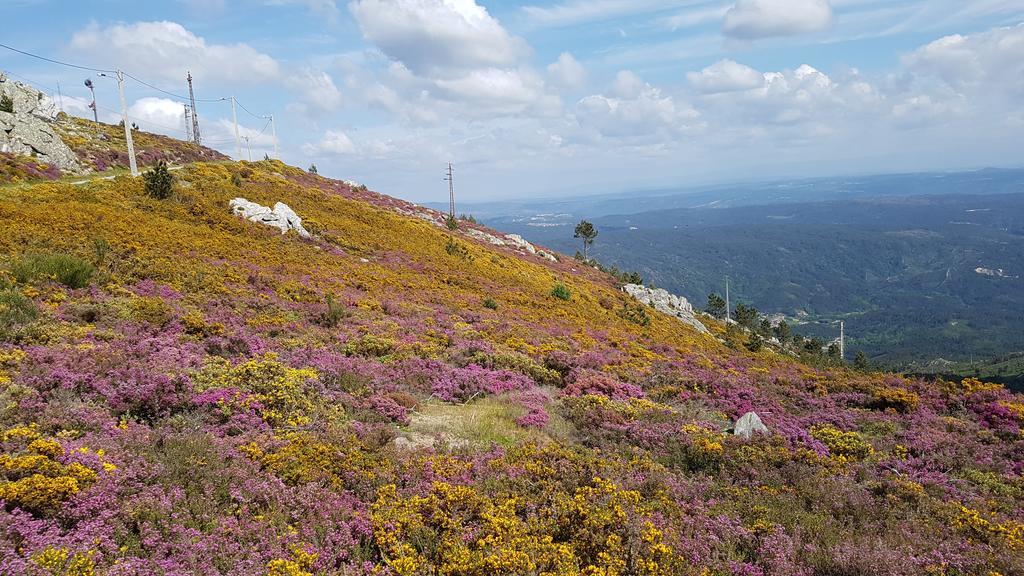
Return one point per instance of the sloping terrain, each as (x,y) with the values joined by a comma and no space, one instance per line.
(186,392)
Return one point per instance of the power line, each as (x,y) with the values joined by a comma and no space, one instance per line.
(172,94)
(55,61)
(51,90)
(247,111)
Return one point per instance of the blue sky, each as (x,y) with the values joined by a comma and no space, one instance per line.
(548,98)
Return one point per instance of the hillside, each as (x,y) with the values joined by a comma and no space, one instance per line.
(915,278)
(188,392)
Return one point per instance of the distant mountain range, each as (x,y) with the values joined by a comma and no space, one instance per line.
(920,266)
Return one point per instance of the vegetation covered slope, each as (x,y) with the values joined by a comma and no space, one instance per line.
(186,392)
(101,147)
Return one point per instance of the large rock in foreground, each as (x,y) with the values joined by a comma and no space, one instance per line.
(665,302)
(27,130)
(748,425)
(280,216)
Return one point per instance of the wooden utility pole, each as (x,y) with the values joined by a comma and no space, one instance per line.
(127,127)
(728,316)
(842,340)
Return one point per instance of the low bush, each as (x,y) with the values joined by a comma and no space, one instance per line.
(15,310)
(635,313)
(159,181)
(66,269)
(490,304)
(561,292)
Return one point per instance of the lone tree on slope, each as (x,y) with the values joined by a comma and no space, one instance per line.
(587,232)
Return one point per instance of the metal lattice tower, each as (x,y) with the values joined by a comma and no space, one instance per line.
(188,123)
(195,114)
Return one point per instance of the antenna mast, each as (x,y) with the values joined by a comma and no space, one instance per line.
(195,115)
(188,123)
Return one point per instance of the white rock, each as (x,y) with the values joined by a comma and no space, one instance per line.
(521,243)
(665,302)
(748,425)
(281,216)
(28,131)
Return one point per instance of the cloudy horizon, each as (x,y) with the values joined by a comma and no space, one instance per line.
(534,99)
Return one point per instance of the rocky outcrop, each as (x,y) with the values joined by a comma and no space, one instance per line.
(280,216)
(28,130)
(514,241)
(665,302)
(748,425)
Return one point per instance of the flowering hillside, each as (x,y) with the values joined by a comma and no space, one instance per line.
(184,392)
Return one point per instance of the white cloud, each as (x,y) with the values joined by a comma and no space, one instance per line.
(628,85)
(725,76)
(580,11)
(499,90)
(159,115)
(437,37)
(988,60)
(635,111)
(317,91)
(919,111)
(694,17)
(333,143)
(166,50)
(750,19)
(567,72)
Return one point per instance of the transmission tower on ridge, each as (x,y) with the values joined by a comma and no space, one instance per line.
(188,123)
(195,114)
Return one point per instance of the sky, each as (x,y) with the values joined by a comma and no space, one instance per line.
(544,99)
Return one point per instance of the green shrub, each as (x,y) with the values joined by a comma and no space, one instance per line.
(335,312)
(6,104)
(15,310)
(456,249)
(635,313)
(755,343)
(370,346)
(561,292)
(490,304)
(67,269)
(451,223)
(236,180)
(159,181)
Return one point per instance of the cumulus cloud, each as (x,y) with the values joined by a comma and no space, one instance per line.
(725,76)
(317,91)
(634,111)
(500,90)
(750,19)
(991,59)
(159,115)
(437,37)
(333,143)
(166,50)
(567,72)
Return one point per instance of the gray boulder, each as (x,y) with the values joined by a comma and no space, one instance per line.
(666,303)
(28,130)
(281,216)
(748,425)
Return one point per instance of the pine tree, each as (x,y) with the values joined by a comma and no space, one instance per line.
(588,233)
(861,362)
(716,306)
